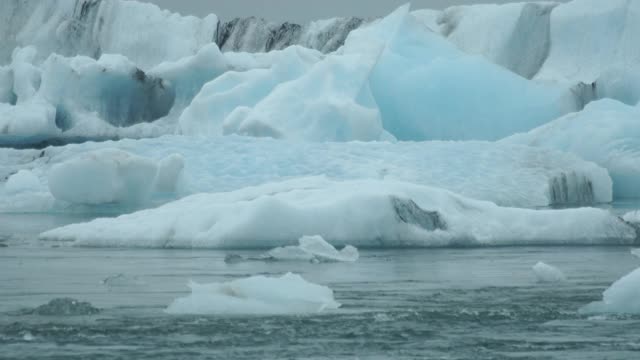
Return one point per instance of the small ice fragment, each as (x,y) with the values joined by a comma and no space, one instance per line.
(257,295)
(314,249)
(547,273)
(233,259)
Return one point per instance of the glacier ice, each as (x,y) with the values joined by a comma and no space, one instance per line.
(507,174)
(620,298)
(515,36)
(256,295)
(612,130)
(358,212)
(392,78)
(611,29)
(548,274)
(140,31)
(312,248)
(395,66)
(255,35)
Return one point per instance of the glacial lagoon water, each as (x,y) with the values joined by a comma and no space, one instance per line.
(482,303)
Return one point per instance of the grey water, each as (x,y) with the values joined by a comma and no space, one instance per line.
(396,304)
(482,303)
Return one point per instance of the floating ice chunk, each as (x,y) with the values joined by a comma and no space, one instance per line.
(324,251)
(621,297)
(364,213)
(548,274)
(635,252)
(313,248)
(65,307)
(22,181)
(256,295)
(112,176)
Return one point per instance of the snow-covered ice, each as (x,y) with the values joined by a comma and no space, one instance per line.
(363,213)
(546,273)
(312,248)
(256,295)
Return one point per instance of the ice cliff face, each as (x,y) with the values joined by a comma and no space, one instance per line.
(142,32)
(255,35)
(148,35)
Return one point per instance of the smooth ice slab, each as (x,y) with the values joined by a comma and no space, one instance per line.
(256,295)
(364,213)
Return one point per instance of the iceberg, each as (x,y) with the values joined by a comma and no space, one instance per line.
(390,79)
(364,213)
(312,248)
(546,273)
(620,298)
(256,295)
(613,131)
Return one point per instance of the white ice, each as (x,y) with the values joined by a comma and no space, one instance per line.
(256,295)
(363,213)
(606,132)
(620,298)
(546,273)
(313,248)
(138,30)
(392,78)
